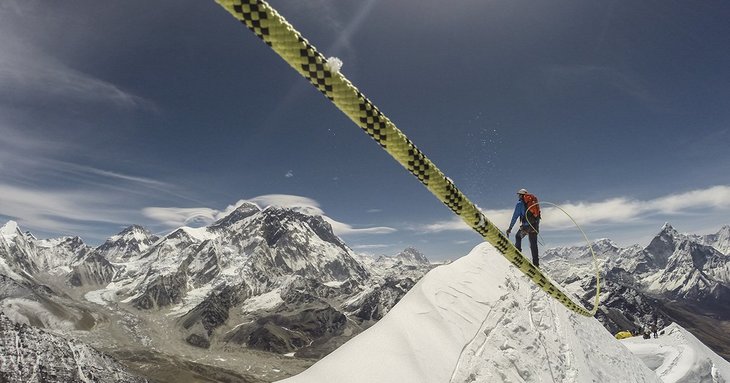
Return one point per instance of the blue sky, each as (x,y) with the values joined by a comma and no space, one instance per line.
(170,112)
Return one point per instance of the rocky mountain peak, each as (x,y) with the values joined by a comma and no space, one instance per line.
(131,241)
(135,231)
(720,240)
(412,256)
(74,241)
(190,235)
(279,220)
(69,242)
(668,230)
(604,245)
(664,243)
(240,213)
(9,230)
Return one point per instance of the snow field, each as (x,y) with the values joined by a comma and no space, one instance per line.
(678,356)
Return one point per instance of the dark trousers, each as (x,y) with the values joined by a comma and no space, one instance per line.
(532,235)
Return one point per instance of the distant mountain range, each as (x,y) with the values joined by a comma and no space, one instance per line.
(679,278)
(273,280)
(279,281)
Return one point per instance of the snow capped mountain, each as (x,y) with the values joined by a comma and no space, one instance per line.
(674,278)
(25,264)
(56,255)
(278,280)
(25,256)
(10,230)
(240,213)
(33,355)
(260,248)
(693,271)
(411,257)
(479,320)
(719,240)
(131,242)
(678,266)
(273,279)
(17,253)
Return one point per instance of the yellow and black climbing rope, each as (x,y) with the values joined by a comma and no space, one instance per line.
(276,32)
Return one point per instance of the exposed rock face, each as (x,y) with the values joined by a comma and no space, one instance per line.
(33,355)
(92,270)
(284,333)
(164,290)
(374,304)
(296,243)
(212,313)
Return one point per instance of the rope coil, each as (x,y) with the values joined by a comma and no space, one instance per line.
(276,32)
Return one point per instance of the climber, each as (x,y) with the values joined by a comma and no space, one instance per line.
(528,211)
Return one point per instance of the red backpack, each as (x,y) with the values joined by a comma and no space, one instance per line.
(532,206)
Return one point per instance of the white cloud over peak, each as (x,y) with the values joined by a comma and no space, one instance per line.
(174,216)
(286,201)
(341,228)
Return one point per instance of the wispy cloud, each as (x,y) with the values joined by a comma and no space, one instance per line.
(39,186)
(28,75)
(59,210)
(371,247)
(341,228)
(352,26)
(175,217)
(453,224)
(611,211)
(44,193)
(81,199)
(326,12)
(114,175)
(305,205)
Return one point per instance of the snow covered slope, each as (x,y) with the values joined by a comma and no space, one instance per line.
(677,356)
(479,320)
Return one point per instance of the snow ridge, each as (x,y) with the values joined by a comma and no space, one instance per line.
(476,320)
(678,356)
